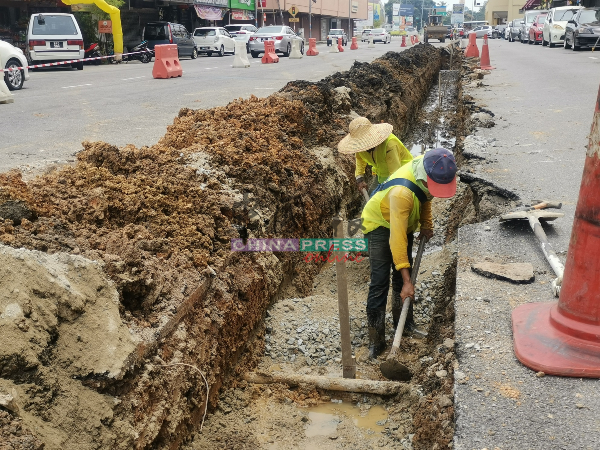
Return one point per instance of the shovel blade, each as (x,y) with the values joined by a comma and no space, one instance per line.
(524,215)
(395,371)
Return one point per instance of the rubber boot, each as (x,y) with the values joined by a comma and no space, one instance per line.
(376,322)
(396,307)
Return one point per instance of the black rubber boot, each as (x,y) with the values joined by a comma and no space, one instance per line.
(396,307)
(376,322)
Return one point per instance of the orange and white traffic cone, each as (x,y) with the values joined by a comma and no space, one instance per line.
(564,338)
(472,51)
(403,41)
(485,55)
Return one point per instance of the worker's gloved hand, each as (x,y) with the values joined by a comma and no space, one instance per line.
(360,184)
(425,233)
(408,290)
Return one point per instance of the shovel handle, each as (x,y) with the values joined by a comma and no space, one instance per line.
(365,194)
(407,300)
(539,204)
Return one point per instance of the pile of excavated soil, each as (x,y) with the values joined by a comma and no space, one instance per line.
(160,220)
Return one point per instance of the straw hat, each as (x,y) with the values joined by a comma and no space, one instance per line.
(364,136)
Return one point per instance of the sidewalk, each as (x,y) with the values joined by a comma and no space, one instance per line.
(537,151)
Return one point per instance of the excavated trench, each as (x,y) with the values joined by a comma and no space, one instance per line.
(131,306)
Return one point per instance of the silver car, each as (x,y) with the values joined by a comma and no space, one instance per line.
(526,24)
(282,35)
(381,35)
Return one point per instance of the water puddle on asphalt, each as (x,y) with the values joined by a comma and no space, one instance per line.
(324,419)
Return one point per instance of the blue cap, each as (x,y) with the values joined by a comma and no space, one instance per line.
(440,167)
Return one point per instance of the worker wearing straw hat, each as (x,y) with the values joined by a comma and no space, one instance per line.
(389,219)
(374,145)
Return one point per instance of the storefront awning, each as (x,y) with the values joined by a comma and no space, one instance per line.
(531,4)
(210,12)
(241,14)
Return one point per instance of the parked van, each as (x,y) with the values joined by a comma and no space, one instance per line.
(54,37)
(159,33)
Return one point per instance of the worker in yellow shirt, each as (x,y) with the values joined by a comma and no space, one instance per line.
(389,219)
(376,146)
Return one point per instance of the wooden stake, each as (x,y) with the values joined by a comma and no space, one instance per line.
(348,361)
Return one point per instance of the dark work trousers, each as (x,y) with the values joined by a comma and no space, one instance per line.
(381,261)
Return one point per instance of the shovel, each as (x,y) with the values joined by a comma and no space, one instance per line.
(534,218)
(391,368)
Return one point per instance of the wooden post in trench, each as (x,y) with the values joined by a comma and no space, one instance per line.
(348,361)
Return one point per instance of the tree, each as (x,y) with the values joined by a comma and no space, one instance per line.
(418,4)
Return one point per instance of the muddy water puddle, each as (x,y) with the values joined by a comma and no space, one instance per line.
(325,418)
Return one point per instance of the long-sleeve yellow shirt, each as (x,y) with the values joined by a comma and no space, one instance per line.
(396,207)
(395,157)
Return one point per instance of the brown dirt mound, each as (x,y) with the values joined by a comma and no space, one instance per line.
(161,219)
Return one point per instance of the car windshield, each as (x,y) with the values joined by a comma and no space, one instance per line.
(589,16)
(203,32)
(541,20)
(335,31)
(53,25)
(156,32)
(231,28)
(564,15)
(269,30)
(378,30)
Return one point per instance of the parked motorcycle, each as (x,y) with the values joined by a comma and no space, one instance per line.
(93,51)
(145,56)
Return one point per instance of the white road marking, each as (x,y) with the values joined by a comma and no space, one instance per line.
(265,88)
(592,57)
(79,85)
(134,78)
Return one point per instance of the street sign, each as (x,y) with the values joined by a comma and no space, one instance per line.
(294,19)
(293,10)
(105,26)
(441,13)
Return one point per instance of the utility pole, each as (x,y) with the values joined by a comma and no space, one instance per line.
(350,19)
(281,12)
(310,18)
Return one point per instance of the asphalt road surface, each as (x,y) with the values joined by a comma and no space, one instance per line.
(59,108)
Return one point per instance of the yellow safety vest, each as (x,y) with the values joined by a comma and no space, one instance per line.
(371,215)
(378,160)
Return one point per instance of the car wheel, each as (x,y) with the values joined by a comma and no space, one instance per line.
(288,50)
(302,49)
(146,58)
(565,45)
(529,41)
(79,65)
(221,51)
(208,53)
(194,53)
(575,47)
(550,43)
(255,54)
(15,78)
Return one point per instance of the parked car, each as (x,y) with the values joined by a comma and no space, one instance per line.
(584,29)
(482,30)
(54,37)
(241,32)
(366,32)
(13,57)
(515,29)
(335,34)
(555,24)
(282,35)
(380,35)
(528,19)
(211,40)
(536,29)
(411,31)
(159,33)
(507,31)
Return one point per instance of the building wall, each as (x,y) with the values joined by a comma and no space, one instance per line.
(512,8)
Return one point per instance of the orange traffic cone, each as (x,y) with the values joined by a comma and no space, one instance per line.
(472,51)
(564,338)
(485,55)
(403,41)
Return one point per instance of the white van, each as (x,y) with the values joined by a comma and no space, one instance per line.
(54,37)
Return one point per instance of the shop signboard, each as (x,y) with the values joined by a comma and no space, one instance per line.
(409,21)
(396,10)
(210,12)
(238,14)
(458,8)
(354,6)
(406,10)
(105,26)
(457,19)
(221,3)
(242,4)
(376,11)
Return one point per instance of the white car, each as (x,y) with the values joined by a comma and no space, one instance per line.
(380,35)
(555,24)
(13,57)
(241,32)
(54,37)
(507,32)
(366,32)
(211,40)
